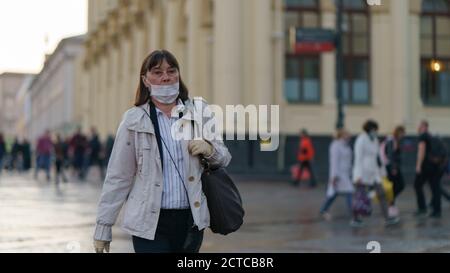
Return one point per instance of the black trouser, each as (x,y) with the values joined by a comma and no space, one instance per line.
(306,165)
(175,233)
(433,176)
(397,181)
(59,164)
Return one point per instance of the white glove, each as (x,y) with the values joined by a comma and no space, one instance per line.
(101,246)
(197,147)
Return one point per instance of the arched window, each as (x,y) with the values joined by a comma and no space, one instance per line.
(435,52)
(356,46)
(302,80)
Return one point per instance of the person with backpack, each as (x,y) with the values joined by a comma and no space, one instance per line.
(391,155)
(431,159)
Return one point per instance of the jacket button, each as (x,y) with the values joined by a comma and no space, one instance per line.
(191,178)
(197,204)
(158,185)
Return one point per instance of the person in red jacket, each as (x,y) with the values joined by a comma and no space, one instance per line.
(305,155)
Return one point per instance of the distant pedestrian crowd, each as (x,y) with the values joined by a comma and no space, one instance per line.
(371,170)
(77,153)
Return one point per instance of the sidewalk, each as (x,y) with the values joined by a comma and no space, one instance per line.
(41,217)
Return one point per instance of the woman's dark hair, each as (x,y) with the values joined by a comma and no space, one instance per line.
(155,59)
(370,125)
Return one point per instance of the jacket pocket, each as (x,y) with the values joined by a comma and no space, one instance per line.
(133,216)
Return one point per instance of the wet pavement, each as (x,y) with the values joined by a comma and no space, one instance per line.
(38,216)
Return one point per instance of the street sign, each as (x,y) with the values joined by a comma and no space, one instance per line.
(313,40)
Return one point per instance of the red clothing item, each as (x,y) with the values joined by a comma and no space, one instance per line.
(44,146)
(305,150)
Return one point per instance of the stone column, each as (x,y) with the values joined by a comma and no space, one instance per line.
(400,63)
(228,52)
(262,71)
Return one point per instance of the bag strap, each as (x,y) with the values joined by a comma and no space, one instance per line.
(154,120)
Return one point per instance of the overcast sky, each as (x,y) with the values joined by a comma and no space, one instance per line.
(24,24)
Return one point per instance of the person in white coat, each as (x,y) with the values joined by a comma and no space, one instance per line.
(152,173)
(367,170)
(340,182)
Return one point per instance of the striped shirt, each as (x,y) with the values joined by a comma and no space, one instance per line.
(174,193)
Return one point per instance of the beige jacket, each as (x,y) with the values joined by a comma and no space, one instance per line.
(134,176)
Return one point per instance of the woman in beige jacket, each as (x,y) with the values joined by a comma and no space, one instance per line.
(155,174)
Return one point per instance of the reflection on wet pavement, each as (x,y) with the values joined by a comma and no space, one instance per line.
(36,216)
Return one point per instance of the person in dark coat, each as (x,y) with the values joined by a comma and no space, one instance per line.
(26,155)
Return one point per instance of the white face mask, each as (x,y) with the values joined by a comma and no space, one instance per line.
(165,94)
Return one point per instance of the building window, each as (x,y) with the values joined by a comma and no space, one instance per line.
(356,43)
(302,80)
(435,52)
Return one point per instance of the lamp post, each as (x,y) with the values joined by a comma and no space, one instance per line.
(340,123)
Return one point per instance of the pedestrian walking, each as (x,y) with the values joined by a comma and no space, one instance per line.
(2,151)
(59,148)
(15,152)
(43,154)
(26,155)
(155,174)
(305,156)
(392,153)
(430,167)
(79,145)
(108,148)
(367,172)
(340,182)
(95,156)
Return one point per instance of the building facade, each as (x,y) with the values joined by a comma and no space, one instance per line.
(396,64)
(10,83)
(23,109)
(55,90)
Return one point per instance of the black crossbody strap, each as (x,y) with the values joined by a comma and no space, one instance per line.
(154,120)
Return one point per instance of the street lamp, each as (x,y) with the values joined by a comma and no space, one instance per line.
(340,123)
(436,66)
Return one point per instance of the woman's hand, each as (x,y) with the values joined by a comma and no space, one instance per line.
(101,246)
(197,147)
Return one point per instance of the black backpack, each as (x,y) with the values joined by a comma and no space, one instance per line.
(438,151)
